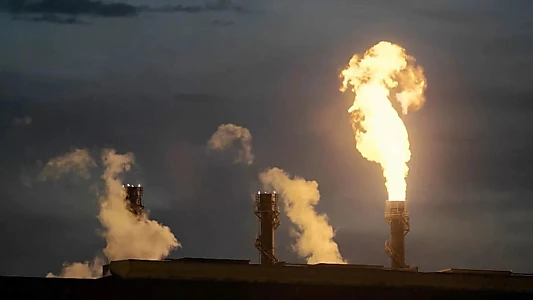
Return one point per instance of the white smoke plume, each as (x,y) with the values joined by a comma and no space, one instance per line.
(78,161)
(225,137)
(314,235)
(85,270)
(127,236)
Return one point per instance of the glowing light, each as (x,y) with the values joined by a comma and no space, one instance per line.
(386,84)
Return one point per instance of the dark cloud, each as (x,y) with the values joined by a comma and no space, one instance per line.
(72,7)
(160,86)
(217,5)
(51,18)
(69,11)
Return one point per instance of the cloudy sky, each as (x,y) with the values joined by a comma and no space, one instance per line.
(158,83)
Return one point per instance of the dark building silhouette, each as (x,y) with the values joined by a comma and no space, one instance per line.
(267,210)
(237,279)
(398,218)
(134,198)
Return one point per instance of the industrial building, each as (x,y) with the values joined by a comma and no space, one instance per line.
(191,278)
(200,278)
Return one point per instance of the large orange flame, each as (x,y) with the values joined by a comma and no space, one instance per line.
(387,84)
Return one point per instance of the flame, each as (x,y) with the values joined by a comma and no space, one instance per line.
(387,84)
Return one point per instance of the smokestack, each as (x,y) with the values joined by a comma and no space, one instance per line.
(134,198)
(398,219)
(267,210)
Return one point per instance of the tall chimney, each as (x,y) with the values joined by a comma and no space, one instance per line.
(134,198)
(267,210)
(398,219)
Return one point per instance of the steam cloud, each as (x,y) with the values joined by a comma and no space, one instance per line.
(226,135)
(85,270)
(127,236)
(78,161)
(314,234)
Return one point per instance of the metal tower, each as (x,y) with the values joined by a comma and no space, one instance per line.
(398,218)
(134,198)
(267,210)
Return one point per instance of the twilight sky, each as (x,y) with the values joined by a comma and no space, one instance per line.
(159,83)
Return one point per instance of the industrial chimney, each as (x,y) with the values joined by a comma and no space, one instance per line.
(134,198)
(398,219)
(267,210)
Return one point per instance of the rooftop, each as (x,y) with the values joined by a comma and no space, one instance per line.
(227,270)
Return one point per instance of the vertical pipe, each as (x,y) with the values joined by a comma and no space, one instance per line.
(397,243)
(267,210)
(266,205)
(134,199)
(398,219)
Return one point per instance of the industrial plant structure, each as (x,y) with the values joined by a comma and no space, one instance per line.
(267,210)
(398,218)
(192,278)
(134,198)
(201,278)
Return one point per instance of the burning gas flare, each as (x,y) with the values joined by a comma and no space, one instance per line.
(387,84)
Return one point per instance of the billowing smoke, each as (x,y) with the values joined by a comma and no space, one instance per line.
(78,161)
(86,269)
(127,236)
(227,135)
(314,235)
